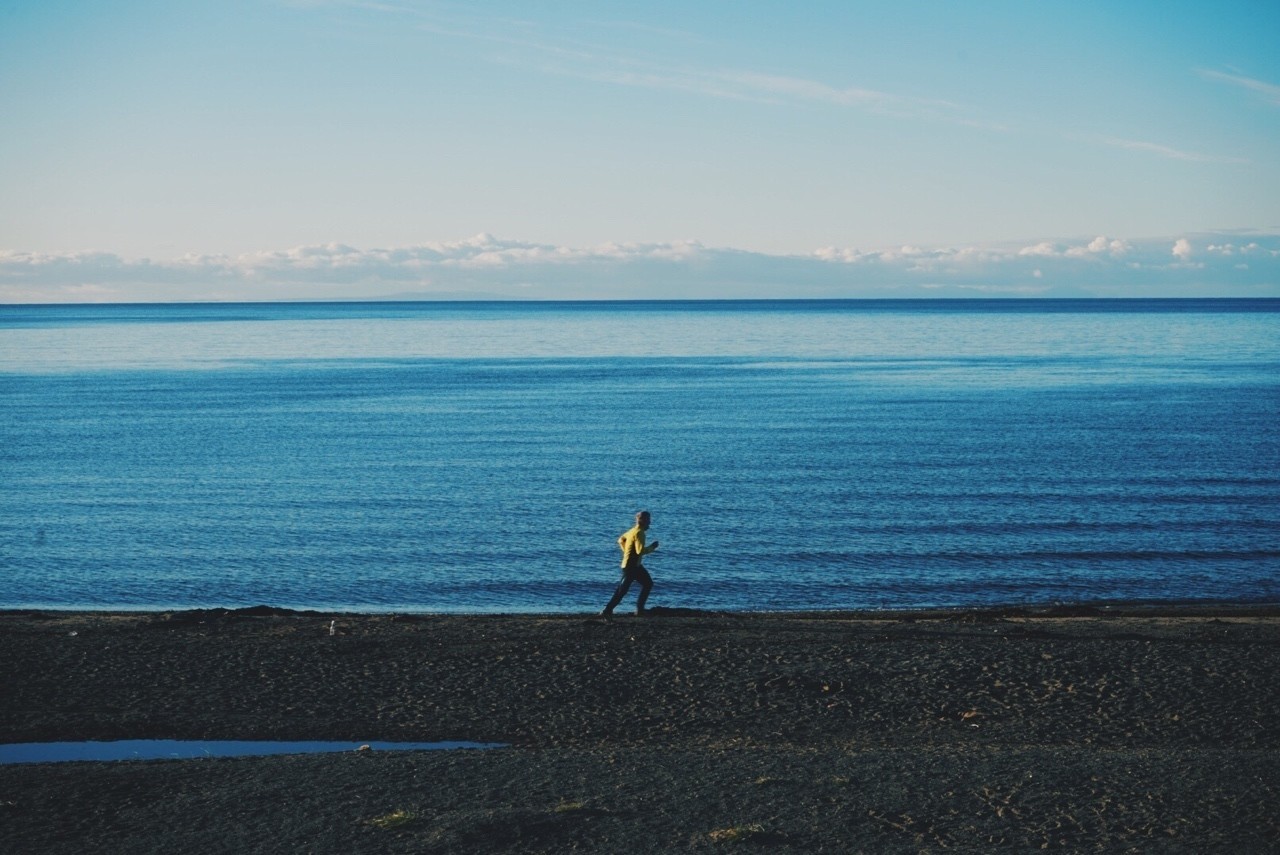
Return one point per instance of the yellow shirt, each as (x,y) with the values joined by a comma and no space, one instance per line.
(632,546)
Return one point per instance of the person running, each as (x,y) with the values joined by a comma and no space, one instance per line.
(633,548)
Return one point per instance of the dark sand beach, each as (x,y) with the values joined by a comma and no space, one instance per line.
(1109,729)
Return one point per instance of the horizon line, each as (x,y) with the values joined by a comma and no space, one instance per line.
(985,298)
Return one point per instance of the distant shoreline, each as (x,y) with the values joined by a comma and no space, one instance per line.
(462,300)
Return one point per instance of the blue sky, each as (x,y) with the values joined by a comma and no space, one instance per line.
(264,149)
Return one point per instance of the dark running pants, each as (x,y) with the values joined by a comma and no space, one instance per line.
(632,574)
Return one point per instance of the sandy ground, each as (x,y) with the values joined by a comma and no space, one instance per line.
(1108,730)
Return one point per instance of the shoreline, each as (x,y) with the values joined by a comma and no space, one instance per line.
(1087,608)
(1150,728)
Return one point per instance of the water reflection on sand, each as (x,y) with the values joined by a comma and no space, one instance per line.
(177,749)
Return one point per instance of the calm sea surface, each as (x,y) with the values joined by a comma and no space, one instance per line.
(484,457)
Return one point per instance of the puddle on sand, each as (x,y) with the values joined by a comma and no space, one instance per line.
(178,749)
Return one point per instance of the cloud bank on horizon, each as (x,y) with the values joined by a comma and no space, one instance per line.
(484,267)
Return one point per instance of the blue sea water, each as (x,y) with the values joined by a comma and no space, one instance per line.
(484,457)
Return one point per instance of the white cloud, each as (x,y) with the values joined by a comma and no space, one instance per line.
(587,51)
(1169,151)
(1251,248)
(808,90)
(774,87)
(1100,245)
(484,267)
(1269,91)
(1044,248)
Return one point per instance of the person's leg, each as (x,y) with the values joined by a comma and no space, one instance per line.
(621,591)
(646,585)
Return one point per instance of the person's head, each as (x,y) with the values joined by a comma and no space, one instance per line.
(642,519)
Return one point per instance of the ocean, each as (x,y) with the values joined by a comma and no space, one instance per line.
(484,457)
